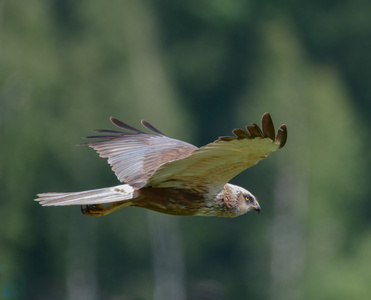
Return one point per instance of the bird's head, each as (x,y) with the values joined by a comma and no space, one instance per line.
(241,199)
(248,201)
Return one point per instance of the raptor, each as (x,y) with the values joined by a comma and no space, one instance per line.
(174,177)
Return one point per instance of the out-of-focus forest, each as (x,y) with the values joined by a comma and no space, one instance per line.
(196,70)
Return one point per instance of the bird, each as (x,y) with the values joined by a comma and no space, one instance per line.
(174,177)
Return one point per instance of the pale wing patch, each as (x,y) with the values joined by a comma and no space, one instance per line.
(135,156)
(214,164)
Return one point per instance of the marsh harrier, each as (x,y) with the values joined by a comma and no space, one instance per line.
(173,177)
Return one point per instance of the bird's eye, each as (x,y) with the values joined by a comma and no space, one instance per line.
(247,198)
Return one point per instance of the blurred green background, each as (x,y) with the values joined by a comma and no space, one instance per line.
(196,70)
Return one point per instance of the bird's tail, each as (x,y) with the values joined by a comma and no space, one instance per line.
(99,196)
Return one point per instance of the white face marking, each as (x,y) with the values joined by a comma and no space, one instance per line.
(237,189)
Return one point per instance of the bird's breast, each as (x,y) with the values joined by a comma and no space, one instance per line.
(181,202)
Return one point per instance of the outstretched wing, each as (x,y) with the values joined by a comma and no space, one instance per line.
(135,155)
(215,164)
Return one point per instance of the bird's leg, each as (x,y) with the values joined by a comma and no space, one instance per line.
(98,210)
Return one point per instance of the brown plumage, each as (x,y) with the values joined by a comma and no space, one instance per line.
(172,176)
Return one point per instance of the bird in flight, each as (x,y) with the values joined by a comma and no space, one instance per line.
(174,177)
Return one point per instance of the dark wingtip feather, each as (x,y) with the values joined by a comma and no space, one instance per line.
(268,127)
(266,131)
(240,133)
(124,126)
(100,137)
(226,138)
(107,131)
(112,134)
(254,130)
(281,137)
(152,128)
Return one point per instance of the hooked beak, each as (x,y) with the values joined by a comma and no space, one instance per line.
(257,208)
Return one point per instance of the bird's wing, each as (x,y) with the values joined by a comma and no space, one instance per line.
(134,155)
(213,165)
